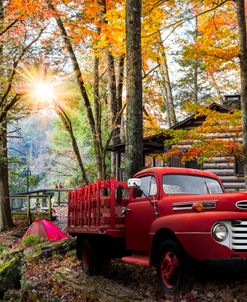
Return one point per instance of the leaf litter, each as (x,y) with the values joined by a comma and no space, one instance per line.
(60,278)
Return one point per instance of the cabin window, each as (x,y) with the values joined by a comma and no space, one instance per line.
(238,167)
(193,164)
(175,162)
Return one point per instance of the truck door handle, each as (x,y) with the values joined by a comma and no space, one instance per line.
(128,210)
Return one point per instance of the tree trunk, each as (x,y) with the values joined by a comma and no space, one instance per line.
(113,106)
(112,88)
(217,88)
(243,73)
(5,178)
(120,79)
(196,81)
(97,104)
(196,66)
(134,127)
(67,124)
(166,83)
(5,211)
(98,116)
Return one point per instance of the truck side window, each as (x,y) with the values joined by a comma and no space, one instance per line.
(148,186)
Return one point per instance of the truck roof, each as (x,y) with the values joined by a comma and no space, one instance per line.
(172,170)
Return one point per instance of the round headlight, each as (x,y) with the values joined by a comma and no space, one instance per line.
(220,232)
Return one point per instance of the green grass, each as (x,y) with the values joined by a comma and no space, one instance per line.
(31,240)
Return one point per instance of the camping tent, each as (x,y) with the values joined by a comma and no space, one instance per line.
(45,230)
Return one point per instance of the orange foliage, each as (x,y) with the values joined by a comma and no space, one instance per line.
(219,134)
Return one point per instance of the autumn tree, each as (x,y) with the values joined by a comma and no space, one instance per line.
(214,46)
(218,134)
(134,137)
(16,45)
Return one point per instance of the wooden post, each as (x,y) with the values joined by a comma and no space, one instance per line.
(49,206)
(59,198)
(98,203)
(69,208)
(112,202)
(90,193)
(154,162)
(29,218)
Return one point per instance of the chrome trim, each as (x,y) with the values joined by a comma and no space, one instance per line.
(244,204)
(182,206)
(239,235)
(208,204)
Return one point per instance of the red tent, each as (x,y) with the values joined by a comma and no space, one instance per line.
(45,230)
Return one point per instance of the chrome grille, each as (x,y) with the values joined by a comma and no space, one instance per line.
(242,205)
(239,235)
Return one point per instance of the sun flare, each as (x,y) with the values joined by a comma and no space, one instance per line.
(43,91)
(42,88)
(39,86)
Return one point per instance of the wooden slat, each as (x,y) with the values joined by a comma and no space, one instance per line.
(221,172)
(232,178)
(234,185)
(224,165)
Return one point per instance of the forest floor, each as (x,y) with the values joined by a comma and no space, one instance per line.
(59,278)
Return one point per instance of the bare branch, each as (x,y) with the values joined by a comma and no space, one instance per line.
(150,71)
(15,65)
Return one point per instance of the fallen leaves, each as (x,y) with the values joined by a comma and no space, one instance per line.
(60,279)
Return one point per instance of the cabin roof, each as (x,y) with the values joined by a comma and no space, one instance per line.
(191,121)
(155,143)
(151,144)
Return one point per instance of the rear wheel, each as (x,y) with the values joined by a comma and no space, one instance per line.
(89,258)
(170,267)
(95,257)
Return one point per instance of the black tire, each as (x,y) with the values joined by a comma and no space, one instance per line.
(104,259)
(90,258)
(95,258)
(170,267)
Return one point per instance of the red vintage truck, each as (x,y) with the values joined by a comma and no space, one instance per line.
(169,218)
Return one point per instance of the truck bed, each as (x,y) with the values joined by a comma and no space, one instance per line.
(94,209)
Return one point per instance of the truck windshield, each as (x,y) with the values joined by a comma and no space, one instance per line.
(190,184)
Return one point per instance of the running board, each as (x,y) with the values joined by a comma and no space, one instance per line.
(137,259)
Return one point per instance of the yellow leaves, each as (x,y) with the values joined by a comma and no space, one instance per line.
(112,34)
(217,40)
(151,125)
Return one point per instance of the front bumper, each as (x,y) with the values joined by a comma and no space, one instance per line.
(237,265)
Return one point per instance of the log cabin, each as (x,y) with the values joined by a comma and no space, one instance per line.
(228,169)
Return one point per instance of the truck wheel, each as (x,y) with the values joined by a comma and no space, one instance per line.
(170,267)
(89,258)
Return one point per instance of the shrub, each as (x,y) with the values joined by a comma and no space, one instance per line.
(31,240)
(2,247)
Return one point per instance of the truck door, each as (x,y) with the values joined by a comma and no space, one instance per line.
(140,215)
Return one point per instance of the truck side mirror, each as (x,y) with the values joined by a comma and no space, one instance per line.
(134,182)
(119,194)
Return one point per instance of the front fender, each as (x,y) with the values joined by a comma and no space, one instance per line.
(193,230)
